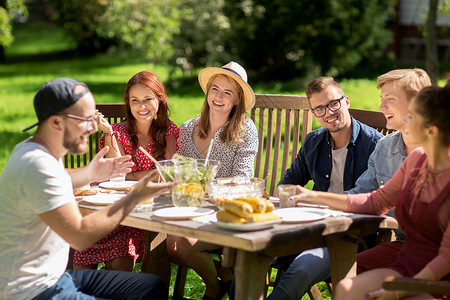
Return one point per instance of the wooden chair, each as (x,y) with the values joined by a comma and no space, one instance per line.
(417,285)
(114,113)
(282,122)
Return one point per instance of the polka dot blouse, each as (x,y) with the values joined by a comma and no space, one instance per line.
(236,159)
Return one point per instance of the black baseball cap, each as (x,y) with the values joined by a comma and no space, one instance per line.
(54,97)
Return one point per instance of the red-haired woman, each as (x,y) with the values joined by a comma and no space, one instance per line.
(147,124)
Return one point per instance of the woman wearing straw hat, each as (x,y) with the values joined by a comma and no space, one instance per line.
(234,143)
(224,120)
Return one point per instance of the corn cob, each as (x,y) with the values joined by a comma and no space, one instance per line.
(238,207)
(229,217)
(261,217)
(270,206)
(259,205)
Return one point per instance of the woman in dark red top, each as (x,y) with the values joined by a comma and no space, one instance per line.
(147,124)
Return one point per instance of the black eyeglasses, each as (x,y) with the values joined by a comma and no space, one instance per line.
(90,121)
(334,105)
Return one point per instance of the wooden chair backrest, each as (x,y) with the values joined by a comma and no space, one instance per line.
(114,113)
(281,121)
(374,119)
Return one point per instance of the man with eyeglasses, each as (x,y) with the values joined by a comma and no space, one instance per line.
(334,157)
(39,218)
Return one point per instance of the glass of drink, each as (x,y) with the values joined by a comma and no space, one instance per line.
(190,191)
(284,192)
(121,178)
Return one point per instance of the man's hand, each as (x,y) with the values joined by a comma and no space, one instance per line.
(101,168)
(146,188)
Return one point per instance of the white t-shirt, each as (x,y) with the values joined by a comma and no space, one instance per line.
(32,256)
(339,157)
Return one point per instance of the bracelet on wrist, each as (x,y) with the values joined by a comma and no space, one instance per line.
(109,134)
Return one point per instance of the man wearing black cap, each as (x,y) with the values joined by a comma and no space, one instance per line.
(39,217)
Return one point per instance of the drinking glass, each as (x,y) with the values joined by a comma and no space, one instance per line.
(284,192)
(121,178)
(190,191)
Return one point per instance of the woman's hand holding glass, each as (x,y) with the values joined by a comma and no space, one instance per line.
(302,194)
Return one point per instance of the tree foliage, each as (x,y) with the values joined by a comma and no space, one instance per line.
(147,26)
(8,10)
(288,39)
(279,39)
(203,34)
(284,39)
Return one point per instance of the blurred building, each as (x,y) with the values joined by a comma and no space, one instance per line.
(409,43)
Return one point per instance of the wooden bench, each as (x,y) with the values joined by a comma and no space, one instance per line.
(283,121)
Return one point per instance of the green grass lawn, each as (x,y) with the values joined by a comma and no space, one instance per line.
(43,53)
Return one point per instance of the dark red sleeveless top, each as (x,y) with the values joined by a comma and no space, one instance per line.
(423,233)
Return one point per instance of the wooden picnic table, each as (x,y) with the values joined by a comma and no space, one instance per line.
(250,253)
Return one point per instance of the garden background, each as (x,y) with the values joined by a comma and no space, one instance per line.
(283,44)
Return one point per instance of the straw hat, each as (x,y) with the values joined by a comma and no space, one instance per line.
(235,71)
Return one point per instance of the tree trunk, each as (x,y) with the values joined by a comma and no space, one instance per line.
(2,49)
(2,54)
(432,62)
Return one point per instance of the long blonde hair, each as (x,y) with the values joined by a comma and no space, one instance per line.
(235,129)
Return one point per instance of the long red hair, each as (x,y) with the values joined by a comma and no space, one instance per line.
(160,123)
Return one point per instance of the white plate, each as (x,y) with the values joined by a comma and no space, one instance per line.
(247,226)
(301,214)
(303,204)
(121,185)
(274,199)
(182,212)
(102,198)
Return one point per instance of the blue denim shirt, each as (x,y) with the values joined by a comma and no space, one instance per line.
(314,161)
(384,161)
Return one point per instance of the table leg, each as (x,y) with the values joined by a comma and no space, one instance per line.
(156,260)
(342,249)
(250,274)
